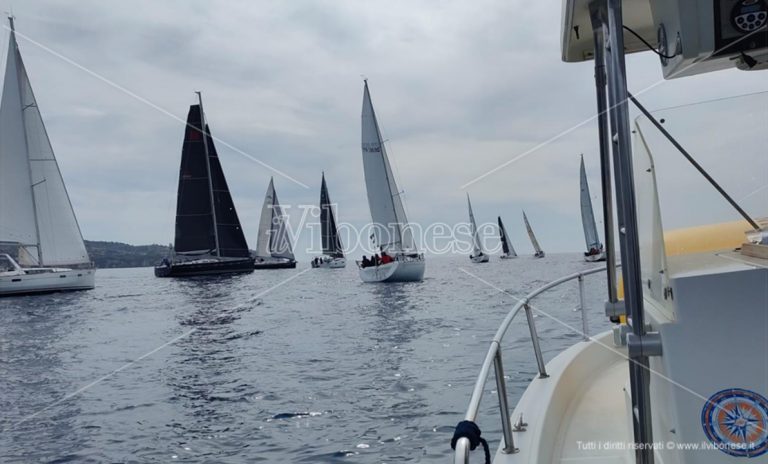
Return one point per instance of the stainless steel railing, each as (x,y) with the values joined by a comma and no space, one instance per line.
(493,358)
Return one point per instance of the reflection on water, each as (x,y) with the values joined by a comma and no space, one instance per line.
(322,369)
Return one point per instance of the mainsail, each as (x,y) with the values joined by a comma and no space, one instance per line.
(273,239)
(506,245)
(587,214)
(206,219)
(476,245)
(390,225)
(35,211)
(328,231)
(535,243)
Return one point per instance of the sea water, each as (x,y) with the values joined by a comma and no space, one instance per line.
(298,365)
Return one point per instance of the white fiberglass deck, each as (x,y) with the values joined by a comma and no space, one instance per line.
(579,409)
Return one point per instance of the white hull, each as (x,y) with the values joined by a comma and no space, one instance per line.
(333,263)
(506,256)
(396,271)
(480,259)
(594,258)
(46,280)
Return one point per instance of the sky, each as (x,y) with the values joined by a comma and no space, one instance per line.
(459,88)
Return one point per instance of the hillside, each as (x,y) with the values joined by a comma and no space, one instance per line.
(115,254)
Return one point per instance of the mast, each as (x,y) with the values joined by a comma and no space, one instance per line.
(204,128)
(13,46)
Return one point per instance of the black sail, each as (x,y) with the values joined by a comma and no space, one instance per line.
(504,244)
(231,238)
(194,217)
(328,231)
(196,225)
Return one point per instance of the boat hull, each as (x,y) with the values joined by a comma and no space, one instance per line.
(594,258)
(47,281)
(480,259)
(204,267)
(506,256)
(396,271)
(539,254)
(268,264)
(334,263)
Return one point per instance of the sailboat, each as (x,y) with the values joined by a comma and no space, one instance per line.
(478,255)
(538,252)
(392,235)
(42,247)
(209,238)
(506,245)
(273,245)
(333,252)
(595,251)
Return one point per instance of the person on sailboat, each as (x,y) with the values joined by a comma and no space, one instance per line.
(365,262)
(376,259)
(385,258)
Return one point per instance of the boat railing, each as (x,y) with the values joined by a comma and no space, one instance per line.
(493,358)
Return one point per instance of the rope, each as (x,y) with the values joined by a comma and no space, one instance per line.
(470,431)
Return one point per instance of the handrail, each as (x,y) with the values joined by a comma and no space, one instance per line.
(493,358)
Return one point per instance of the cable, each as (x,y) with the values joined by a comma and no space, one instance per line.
(650,47)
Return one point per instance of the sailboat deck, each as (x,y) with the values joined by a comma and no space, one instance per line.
(575,412)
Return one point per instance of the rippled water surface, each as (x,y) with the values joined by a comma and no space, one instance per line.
(276,366)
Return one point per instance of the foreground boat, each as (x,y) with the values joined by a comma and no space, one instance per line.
(333,251)
(43,249)
(682,378)
(208,238)
(273,245)
(478,255)
(391,232)
(508,251)
(595,251)
(537,251)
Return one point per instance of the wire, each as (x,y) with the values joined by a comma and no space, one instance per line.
(651,47)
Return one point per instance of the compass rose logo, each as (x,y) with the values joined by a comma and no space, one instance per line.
(736,421)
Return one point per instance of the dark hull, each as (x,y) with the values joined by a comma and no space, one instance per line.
(228,266)
(273,265)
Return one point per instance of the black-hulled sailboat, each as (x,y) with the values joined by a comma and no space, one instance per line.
(506,246)
(209,239)
(333,252)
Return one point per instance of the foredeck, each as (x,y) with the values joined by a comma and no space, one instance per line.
(579,413)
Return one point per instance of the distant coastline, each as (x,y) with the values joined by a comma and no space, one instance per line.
(116,254)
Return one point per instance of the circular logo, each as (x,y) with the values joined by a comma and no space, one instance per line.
(736,422)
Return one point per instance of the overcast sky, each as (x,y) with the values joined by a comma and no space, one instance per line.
(459,88)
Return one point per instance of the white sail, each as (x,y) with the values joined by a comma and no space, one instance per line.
(265,222)
(477,247)
(587,214)
(390,223)
(35,210)
(280,240)
(534,242)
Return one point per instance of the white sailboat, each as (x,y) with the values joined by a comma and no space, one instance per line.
(333,251)
(595,251)
(391,232)
(538,252)
(44,249)
(273,246)
(508,251)
(478,255)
